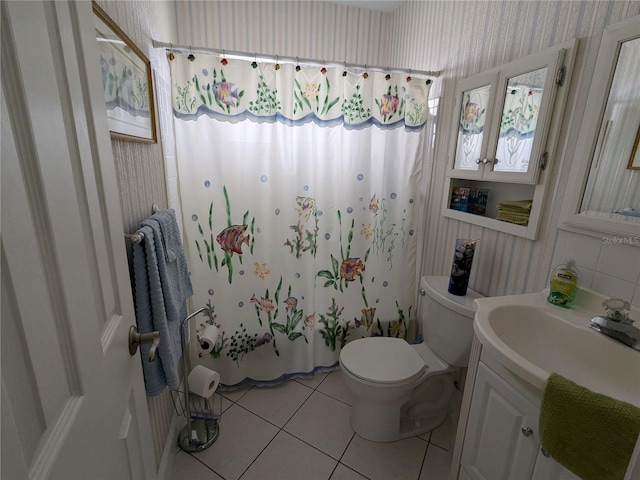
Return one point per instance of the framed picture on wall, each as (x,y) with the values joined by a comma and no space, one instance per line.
(634,159)
(126,81)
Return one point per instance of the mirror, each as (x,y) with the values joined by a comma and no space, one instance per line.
(607,156)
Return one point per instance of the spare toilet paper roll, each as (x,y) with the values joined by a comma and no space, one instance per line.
(203,381)
(208,335)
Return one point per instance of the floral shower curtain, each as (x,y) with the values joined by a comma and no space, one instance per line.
(299,189)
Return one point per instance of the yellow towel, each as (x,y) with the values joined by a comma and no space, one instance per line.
(591,434)
(516,204)
(517,218)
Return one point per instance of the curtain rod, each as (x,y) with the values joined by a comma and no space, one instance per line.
(296,60)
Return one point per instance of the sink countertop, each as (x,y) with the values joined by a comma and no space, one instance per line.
(533,338)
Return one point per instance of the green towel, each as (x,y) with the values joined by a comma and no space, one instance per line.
(517,204)
(591,434)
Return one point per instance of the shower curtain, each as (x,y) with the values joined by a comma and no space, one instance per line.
(299,189)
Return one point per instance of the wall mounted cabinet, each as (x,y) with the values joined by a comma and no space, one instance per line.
(504,134)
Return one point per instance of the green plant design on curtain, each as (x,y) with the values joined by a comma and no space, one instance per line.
(266,101)
(271,309)
(303,97)
(334,331)
(305,240)
(353,107)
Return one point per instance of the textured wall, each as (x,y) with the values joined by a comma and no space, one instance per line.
(464,38)
(140,166)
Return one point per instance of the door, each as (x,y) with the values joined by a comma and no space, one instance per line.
(73,402)
(501,440)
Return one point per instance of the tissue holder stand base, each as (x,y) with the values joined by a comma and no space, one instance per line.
(203,425)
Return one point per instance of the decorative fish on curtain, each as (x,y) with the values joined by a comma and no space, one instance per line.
(299,188)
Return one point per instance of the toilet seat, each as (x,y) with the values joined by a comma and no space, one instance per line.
(382,360)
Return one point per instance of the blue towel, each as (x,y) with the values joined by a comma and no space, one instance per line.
(161,291)
(176,284)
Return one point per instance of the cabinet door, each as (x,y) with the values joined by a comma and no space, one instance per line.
(501,441)
(547,468)
(474,98)
(520,122)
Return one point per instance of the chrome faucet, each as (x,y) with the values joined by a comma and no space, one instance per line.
(617,323)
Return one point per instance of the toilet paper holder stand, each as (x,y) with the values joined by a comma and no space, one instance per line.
(203,424)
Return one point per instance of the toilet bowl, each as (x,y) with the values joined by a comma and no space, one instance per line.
(402,390)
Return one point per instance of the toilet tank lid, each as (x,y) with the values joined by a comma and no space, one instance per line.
(437,288)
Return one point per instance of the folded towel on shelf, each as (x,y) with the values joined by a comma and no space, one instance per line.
(162,286)
(589,433)
(516,205)
(514,211)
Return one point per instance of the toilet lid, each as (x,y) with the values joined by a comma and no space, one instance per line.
(382,360)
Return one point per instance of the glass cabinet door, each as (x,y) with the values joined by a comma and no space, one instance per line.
(527,93)
(472,124)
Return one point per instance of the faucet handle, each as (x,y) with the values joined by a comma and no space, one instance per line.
(617,309)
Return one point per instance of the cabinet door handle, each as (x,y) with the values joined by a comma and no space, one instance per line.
(482,160)
(526,431)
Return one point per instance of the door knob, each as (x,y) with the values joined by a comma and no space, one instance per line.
(526,431)
(136,339)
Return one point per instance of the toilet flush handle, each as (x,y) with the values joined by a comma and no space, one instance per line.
(422,292)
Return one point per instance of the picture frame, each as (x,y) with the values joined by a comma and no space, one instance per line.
(634,158)
(126,81)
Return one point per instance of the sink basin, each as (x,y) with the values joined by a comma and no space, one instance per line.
(533,338)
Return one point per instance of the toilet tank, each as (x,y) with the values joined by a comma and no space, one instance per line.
(447,320)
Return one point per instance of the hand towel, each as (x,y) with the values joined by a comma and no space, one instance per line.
(162,287)
(176,283)
(151,315)
(589,433)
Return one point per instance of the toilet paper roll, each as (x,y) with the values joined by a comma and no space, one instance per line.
(207,336)
(203,381)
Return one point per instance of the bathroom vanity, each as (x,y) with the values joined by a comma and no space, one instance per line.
(519,340)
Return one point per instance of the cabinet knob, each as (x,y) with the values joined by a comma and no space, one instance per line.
(545,453)
(526,431)
(482,160)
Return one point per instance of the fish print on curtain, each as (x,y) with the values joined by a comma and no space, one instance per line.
(298,188)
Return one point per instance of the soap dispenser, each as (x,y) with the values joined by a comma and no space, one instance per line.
(564,283)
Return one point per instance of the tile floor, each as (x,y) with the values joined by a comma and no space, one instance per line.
(300,430)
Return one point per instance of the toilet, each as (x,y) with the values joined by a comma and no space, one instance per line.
(402,390)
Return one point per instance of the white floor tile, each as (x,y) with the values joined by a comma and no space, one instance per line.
(436,464)
(444,435)
(186,466)
(314,381)
(385,461)
(235,395)
(286,457)
(243,436)
(276,404)
(334,386)
(345,473)
(323,422)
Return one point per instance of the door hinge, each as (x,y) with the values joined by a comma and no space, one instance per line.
(543,161)
(560,75)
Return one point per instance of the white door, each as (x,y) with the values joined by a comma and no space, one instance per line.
(73,402)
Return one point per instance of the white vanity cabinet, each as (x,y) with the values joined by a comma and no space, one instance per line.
(501,439)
